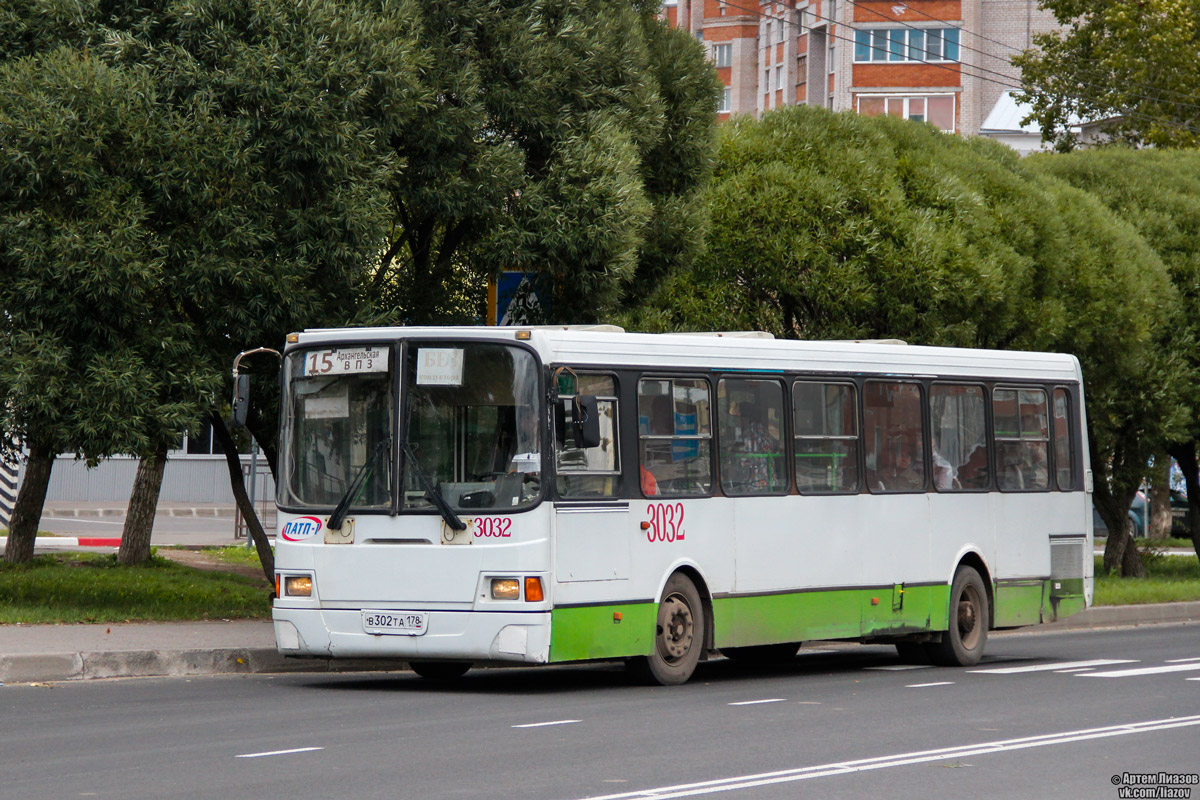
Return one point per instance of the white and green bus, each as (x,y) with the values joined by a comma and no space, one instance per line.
(452,496)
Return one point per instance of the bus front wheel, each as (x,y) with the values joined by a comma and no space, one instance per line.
(962,645)
(440,670)
(679,635)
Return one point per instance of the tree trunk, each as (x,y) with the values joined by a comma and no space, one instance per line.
(1120,552)
(263,547)
(143,503)
(1158,521)
(1185,457)
(27,511)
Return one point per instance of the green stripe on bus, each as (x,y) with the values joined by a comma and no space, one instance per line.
(592,631)
(596,632)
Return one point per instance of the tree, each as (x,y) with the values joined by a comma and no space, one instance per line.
(256,189)
(92,363)
(1156,191)
(841,226)
(1132,62)
(551,149)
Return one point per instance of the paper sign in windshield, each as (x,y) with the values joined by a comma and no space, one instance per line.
(347,360)
(327,407)
(439,366)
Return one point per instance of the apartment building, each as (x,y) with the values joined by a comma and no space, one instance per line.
(941,61)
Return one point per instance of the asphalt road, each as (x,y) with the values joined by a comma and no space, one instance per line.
(1045,715)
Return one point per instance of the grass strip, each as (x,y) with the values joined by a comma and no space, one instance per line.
(90,587)
(1169,579)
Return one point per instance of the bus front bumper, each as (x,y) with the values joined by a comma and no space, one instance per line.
(461,635)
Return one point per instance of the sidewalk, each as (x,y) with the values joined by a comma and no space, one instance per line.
(37,653)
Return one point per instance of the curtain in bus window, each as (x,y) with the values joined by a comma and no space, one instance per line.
(895,436)
(593,471)
(675,433)
(960,447)
(751,449)
(1022,435)
(1064,476)
(825,424)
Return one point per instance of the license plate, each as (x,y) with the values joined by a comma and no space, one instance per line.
(401,623)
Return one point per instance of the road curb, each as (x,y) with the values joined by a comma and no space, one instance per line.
(1127,616)
(172,663)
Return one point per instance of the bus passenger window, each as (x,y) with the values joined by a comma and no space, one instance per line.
(825,422)
(1022,435)
(960,445)
(751,449)
(591,471)
(675,436)
(895,437)
(1063,464)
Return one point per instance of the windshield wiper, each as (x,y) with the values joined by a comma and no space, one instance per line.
(432,492)
(360,478)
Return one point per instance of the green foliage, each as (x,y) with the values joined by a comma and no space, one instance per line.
(838,226)
(180,180)
(92,588)
(1169,579)
(1130,59)
(543,152)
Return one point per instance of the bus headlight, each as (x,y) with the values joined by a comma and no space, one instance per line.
(506,589)
(297,586)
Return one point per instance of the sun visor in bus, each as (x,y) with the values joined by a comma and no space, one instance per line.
(581,414)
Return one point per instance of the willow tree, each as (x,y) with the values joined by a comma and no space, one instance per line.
(840,226)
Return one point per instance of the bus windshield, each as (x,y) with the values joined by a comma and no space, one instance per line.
(337,422)
(472,426)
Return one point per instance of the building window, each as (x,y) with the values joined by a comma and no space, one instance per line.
(726,101)
(938,110)
(801,69)
(723,55)
(779,77)
(767,80)
(906,44)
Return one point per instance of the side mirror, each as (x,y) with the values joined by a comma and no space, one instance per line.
(585,421)
(241,400)
(579,418)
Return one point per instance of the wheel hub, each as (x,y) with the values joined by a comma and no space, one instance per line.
(677,630)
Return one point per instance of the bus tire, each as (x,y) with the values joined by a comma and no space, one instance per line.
(762,653)
(679,635)
(440,670)
(962,645)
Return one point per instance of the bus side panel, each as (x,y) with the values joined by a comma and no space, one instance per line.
(603,631)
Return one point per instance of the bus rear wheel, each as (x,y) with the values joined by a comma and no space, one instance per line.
(679,635)
(962,645)
(440,670)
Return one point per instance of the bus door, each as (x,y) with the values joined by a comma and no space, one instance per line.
(590,520)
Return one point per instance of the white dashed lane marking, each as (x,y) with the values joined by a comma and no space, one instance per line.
(546,724)
(1098,662)
(280,752)
(758,702)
